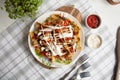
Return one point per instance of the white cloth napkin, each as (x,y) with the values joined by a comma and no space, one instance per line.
(17,62)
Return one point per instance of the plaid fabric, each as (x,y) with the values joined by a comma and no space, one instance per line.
(17,62)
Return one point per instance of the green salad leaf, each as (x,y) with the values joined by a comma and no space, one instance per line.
(21,8)
(63,61)
(43,59)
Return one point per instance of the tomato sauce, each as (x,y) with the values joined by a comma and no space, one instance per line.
(93,21)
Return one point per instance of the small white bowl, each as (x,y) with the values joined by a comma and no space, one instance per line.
(93,21)
(94,41)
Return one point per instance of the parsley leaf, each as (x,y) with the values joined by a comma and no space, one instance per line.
(22,8)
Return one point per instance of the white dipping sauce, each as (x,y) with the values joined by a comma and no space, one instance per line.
(94,41)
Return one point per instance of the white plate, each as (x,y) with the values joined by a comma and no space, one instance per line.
(42,19)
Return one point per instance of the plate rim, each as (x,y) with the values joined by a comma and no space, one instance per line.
(56,12)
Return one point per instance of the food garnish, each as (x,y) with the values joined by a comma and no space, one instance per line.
(57,39)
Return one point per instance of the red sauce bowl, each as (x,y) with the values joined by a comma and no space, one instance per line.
(93,21)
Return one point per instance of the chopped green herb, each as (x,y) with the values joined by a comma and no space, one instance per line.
(38,54)
(21,8)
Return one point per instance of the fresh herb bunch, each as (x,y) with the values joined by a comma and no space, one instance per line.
(21,8)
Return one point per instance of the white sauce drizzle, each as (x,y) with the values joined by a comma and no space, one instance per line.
(53,47)
(66,34)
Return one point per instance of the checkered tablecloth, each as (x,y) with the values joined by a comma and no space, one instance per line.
(17,62)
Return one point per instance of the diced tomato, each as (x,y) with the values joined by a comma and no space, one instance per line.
(47,32)
(44,53)
(68,38)
(71,49)
(66,23)
(34,37)
(60,23)
(61,40)
(44,43)
(50,40)
(58,30)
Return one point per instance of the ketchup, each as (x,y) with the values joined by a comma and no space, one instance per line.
(93,21)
